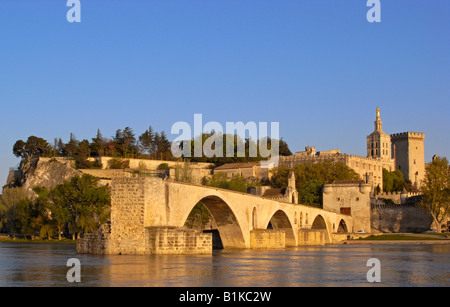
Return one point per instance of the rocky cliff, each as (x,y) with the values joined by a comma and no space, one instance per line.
(42,172)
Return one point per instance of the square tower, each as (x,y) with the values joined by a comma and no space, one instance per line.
(409,154)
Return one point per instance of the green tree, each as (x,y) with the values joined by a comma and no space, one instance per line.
(310,177)
(98,144)
(311,193)
(394,181)
(85,205)
(118,163)
(198,218)
(81,155)
(34,147)
(235,183)
(8,208)
(145,141)
(24,217)
(436,190)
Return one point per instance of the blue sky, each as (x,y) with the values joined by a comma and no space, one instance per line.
(316,67)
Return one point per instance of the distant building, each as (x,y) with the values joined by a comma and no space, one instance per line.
(290,194)
(402,151)
(246,170)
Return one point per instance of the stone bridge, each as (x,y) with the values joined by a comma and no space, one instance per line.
(148,215)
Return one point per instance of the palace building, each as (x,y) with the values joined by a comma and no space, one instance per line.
(400,151)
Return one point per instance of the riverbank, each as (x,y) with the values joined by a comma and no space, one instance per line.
(38,241)
(403,238)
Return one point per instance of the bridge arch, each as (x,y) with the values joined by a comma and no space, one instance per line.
(342,228)
(228,226)
(280,221)
(319,223)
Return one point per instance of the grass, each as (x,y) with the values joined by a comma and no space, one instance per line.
(399,237)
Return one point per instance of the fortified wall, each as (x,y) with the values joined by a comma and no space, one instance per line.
(407,217)
(373,215)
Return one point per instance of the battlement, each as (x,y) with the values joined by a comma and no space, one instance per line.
(408,134)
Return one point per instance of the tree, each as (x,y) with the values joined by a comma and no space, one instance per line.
(80,203)
(198,218)
(394,181)
(310,177)
(98,145)
(60,147)
(284,148)
(42,213)
(235,183)
(34,147)
(71,147)
(24,217)
(81,154)
(8,208)
(436,190)
(125,141)
(311,193)
(164,147)
(146,140)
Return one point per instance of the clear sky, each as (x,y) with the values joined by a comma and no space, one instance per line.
(317,67)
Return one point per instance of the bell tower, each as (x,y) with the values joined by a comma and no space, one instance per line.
(378,142)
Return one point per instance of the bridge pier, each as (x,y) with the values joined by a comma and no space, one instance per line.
(173,241)
(267,239)
(308,237)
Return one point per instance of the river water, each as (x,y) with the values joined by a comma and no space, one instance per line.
(31,264)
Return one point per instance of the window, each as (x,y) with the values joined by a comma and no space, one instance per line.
(347,211)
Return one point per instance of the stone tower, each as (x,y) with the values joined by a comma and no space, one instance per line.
(291,191)
(379,142)
(408,152)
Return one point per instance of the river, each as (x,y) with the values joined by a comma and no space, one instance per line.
(33,264)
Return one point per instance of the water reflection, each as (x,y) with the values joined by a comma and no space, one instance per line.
(339,265)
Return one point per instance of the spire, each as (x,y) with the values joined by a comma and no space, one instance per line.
(378,122)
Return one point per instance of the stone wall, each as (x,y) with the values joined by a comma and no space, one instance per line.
(107,173)
(267,239)
(149,164)
(172,241)
(308,237)
(128,233)
(127,216)
(97,243)
(399,218)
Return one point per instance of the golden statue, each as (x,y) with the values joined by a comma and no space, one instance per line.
(378,113)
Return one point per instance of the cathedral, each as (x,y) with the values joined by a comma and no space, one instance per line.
(400,151)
